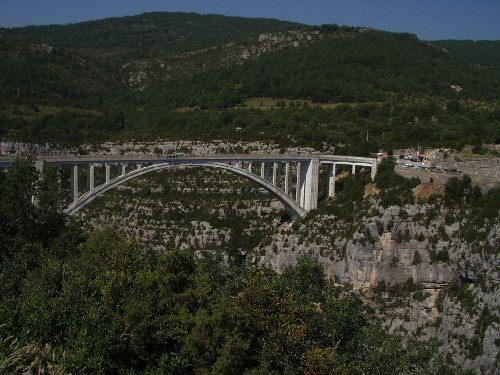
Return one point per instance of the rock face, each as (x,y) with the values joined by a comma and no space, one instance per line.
(440,285)
(188,208)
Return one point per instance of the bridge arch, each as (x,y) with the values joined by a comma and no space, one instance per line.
(89,196)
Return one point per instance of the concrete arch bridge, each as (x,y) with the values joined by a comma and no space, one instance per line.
(280,174)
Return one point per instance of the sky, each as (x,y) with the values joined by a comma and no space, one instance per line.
(428,19)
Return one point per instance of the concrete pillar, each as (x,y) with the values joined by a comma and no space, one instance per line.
(276,174)
(354,169)
(108,173)
(307,184)
(239,164)
(91,178)
(374,169)
(39,167)
(288,179)
(139,167)
(250,166)
(263,170)
(124,166)
(330,180)
(304,167)
(74,183)
(298,189)
(310,195)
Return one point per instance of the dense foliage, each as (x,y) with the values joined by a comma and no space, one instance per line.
(478,54)
(153,34)
(395,189)
(181,76)
(103,304)
(364,67)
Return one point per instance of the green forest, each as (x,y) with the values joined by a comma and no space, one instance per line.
(179,76)
(100,303)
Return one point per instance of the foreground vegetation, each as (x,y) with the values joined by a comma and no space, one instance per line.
(73,302)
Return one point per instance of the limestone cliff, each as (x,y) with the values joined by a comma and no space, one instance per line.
(416,268)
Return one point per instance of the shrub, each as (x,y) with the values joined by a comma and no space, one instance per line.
(416,258)
(443,256)
(390,198)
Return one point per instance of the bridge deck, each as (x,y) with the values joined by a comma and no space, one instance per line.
(87,159)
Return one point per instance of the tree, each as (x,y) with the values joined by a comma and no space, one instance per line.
(50,204)
(18,211)
(307,279)
(31,206)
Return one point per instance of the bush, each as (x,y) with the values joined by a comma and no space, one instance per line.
(390,198)
(385,173)
(443,256)
(416,258)
(457,191)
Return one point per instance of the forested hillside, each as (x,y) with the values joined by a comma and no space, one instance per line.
(187,76)
(154,34)
(479,54)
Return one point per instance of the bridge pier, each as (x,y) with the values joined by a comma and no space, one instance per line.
(91,178)
(307,183)
(310,196)
(354,169)
(374,169)
(108,172)
(74,182)
(330,180)
(276,174)
(298,186)
(288,178)
(39,166)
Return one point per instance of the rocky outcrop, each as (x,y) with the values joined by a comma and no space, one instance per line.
(142,72)
(421,276)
